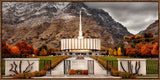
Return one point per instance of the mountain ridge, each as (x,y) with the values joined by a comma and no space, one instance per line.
(52,14)
(152,28)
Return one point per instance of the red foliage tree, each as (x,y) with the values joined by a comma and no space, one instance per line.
(15,50)
(25,48)
(146,49)
(138,47)
(154,51)
(6,50)
(130,51)
(35,51)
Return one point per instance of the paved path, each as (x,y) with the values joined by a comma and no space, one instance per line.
(99,71)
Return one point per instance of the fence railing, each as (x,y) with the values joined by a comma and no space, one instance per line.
(152,67)
(113,63)
(42,64)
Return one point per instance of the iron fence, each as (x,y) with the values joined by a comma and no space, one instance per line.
(113,63)
(152,67)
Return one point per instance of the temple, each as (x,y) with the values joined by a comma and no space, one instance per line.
(80,45)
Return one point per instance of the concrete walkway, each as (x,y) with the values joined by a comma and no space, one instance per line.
(99,71)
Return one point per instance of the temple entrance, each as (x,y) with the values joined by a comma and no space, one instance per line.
(79,64)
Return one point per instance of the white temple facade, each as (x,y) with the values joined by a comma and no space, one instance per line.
(80,45)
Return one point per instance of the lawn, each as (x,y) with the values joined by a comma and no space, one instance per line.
(42,63)
(45,60)
(3,67)
(151,65)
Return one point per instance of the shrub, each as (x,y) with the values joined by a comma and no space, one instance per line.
(72,72)
(85,72)
(79,71)
(125,75)
(15,76)
(21,75)
(133,77)
(114,73)
(28,75)
(37,73)
(42,73)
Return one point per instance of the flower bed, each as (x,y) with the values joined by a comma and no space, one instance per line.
(78,72)
(43,71)
(114,71)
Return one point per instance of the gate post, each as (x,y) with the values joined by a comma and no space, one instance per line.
(90,66)
(67,65)
(107,67)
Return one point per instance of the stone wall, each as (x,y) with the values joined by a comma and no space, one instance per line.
(20,65)
(132,65)
(79,64)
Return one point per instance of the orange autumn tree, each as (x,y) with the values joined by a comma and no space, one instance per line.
(146,49)
(25,48)
(6,49)
(15,50)
(119,52)
(43,52)
(130,51)
(103,48)
(138,48)
(154,51)
(35,51)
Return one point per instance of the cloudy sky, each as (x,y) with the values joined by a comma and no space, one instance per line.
(136,16)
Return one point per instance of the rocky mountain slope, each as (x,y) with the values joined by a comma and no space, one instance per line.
(152,28)
(47,22)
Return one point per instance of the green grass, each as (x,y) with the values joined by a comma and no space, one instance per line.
(151,66)
(42,63)
(108,58)
(114,61)
(3,67)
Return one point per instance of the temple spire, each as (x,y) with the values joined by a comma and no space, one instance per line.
(80,28)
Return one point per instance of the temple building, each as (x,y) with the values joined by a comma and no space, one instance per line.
(80,45)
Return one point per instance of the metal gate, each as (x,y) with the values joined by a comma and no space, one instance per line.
(90,66)
(67,66)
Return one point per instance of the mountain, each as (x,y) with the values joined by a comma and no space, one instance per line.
(152,28)
(47,22)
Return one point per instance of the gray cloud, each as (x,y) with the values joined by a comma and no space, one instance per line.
(136,16)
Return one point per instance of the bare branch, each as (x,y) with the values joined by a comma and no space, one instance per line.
(122,67)
(27,68)
(15,70)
